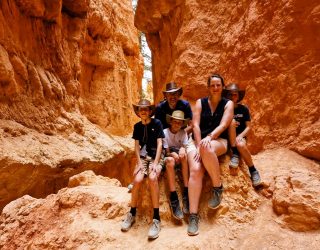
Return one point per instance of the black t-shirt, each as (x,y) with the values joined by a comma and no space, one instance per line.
(209,121)
(163,109)
(147,135)
(241,115)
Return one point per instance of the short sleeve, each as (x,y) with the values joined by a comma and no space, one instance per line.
(247,114)
(135,134)
(158,129)
(188,112)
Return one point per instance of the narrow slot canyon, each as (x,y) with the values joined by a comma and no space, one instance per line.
(70,72)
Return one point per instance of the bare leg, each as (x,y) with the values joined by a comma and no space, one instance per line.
(170,173)
(184,166)
(209,156)
(195,182)
(154,187)
(245,153)
(135,189)
(232,133)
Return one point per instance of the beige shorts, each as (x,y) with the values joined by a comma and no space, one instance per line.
(146,162)
(192,146)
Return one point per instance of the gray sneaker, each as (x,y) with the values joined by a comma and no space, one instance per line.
(176,210)
(255,178)
(154,229)
(234,161)
(127,222)
(185,203)
(193,227)
(216,198)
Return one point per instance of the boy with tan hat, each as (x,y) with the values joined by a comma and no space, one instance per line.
(148,134)
(175,143)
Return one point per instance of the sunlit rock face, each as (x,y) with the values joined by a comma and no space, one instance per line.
(270,48)
(69,73)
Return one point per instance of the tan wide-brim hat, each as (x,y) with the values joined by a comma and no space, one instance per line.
(143,103)
(172,87)
(178,115)
(232,87)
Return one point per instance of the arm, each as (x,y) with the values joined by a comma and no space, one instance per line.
(159,149)
(137,152)
(196,122)
(225,121)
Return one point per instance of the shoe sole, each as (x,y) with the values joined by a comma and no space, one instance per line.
(193,234)
(127,229)
(214,208)
(153,237)
(177,218)
(233,166)
(257,184)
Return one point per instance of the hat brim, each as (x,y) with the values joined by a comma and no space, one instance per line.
(185,121)
(226,93)
(179,90)
(151,107)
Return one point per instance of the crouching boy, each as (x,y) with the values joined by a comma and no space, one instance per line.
(174,143)
(148,134)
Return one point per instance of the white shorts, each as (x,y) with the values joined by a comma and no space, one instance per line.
(192,146)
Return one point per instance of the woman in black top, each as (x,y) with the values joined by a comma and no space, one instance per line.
(212,116)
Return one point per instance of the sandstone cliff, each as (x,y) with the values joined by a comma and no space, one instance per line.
(69,72)
(270,48)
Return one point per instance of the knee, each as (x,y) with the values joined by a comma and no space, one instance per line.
(170,162)
(204,151)
(241,145)
(153,179)
(196,174)
(137,180)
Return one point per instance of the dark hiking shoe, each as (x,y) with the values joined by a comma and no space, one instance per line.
(234,161)
(255,178)
(216,198)
(193,226)
(127,222)
(176,210)
(185,204)
(154,229)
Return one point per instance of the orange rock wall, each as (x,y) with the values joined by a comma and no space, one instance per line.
(270,48)
(69,73)
(58,56)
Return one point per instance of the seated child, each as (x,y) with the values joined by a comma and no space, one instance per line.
(238,130)
(148,134)
(174,143)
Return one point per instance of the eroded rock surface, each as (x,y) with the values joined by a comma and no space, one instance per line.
(69,73)
(271,48)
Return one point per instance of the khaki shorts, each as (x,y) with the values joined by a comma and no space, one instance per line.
(192,146)
(146,162)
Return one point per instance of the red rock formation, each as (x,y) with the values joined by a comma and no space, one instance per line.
(63,63)
(88,213)
(272,48)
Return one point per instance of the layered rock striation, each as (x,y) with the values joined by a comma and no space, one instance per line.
(69,73)
(270,48)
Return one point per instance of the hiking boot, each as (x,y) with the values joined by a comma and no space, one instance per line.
(176,210)
(154,229)
(193,226)
(127,222)
(185,203)
(216,198)
(234,161)
(255,178)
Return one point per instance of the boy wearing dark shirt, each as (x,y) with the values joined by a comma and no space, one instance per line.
(238,130)
(148,134)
